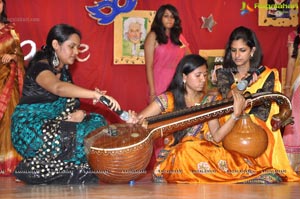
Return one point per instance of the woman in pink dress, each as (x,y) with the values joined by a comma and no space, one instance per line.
(164,47)
(291,136)
(293,65)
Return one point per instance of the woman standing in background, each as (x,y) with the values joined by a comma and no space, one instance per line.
(293,65)
(11,82)
(164,47)
(291,136)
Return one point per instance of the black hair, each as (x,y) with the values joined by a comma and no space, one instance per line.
(296,43)
(251,40)
(3,16)
(59,32)
(186,65)
(159,29)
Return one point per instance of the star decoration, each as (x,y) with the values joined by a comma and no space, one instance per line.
(208,22)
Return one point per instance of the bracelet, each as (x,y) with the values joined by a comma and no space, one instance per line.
(234,118)
(84,113)
(285,87)
(95,101)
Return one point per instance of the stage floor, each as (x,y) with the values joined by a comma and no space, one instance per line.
(144,188)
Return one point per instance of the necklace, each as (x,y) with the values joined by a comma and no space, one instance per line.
(192,101)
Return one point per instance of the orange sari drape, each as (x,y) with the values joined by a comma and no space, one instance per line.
(275,155)
(197,159)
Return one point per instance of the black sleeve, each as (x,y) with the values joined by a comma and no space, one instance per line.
(263,110)
(224,81)
(38,68)
(32,91)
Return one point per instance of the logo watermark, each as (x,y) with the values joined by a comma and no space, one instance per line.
(246,8)
(282,10)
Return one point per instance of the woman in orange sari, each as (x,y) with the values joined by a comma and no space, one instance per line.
(11,82)
(196,154)
(243,56)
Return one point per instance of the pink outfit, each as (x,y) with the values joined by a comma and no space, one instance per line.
(166,58)
(291,37)
(292,132)
(291,136)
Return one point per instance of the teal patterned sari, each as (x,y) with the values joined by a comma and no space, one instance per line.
(53,149)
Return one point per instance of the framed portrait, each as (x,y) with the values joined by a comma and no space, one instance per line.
(277,12)
(130,30)
(214,59)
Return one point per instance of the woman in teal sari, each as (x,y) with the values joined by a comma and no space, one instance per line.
(48,128)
